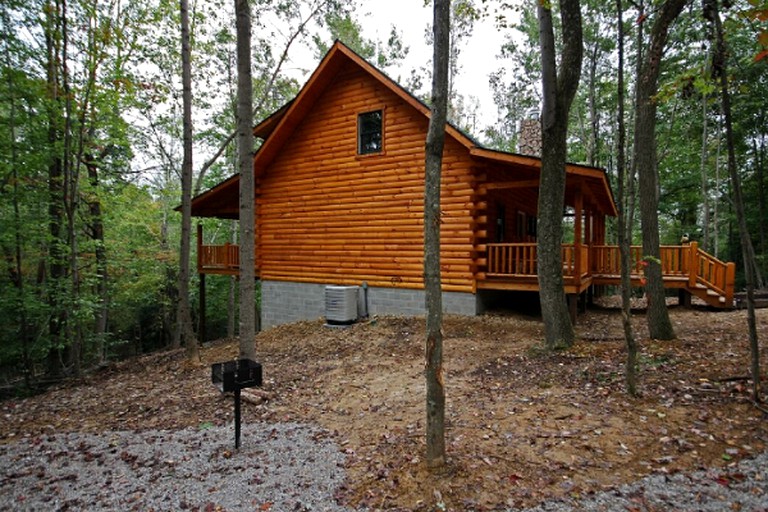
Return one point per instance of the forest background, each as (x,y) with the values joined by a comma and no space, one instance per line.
(90,144)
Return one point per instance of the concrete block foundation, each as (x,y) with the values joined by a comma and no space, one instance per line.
(285,302)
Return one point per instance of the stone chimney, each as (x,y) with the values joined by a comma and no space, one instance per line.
(529,142)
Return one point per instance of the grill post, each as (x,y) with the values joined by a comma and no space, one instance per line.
(237,418)
(234,376)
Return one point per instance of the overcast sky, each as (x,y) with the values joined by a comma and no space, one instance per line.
(477,58)
(411,18)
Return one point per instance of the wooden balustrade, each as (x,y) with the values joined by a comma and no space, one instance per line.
(216,259)
(512,260)
(713,273)
(681,265)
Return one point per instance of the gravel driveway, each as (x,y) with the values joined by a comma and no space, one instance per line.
(281,468)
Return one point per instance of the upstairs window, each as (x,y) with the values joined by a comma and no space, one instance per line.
(369,133)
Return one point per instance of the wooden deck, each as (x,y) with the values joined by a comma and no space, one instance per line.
(685,267)
(512,266)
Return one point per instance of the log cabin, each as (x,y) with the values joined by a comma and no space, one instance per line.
(339,201)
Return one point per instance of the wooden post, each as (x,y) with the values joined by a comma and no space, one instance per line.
(730,282)
(199,247)
(588,227)
(693,266)
(201,320)
(201,305)
(578,207)
(573,301)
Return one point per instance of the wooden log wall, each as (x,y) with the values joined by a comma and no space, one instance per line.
(329,215)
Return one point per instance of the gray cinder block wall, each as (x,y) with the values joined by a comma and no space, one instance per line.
(284,302)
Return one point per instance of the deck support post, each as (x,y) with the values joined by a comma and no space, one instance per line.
(199,248)
(573,301)
(684,298)
(693,265)
(201,319)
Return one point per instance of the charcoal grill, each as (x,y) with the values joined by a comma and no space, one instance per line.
(235,376)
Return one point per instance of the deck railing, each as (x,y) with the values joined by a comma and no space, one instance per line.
(713,273)
(677,262)
(606,259)
(218,257)
(519,260)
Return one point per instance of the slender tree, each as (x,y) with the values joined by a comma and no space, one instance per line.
(625,230)
(559,88)
(245,165)
(645,159)
(57,240)
(185,333)
(432,285)
(720,73)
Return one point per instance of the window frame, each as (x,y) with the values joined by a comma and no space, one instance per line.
(361,134)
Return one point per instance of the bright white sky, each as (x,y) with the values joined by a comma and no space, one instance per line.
(411,18)
(478,54)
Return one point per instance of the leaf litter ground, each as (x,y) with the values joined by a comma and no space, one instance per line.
(523,425)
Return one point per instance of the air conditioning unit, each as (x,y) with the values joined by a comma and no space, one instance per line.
(341,304)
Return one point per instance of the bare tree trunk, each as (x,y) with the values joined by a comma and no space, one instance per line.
(594,118)
(245,163)
(56,257)
(645,157)
(625,230)
(761,191)
(433,161)
(559,88)
(715,211)
(14,257)
(704,173)
(97,235)
(185,333)
(231,298)
(720,71)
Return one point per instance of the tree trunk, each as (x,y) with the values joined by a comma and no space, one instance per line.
(13,256)
(559,88)
(761,191)
(185,333)
(231,298)
(720,71)
(56,244)
(594,118)
(704,174)
(625,229)
(659,325)
(97,235)
(433,160)
(245,163)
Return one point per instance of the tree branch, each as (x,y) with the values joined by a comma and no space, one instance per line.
(283,57)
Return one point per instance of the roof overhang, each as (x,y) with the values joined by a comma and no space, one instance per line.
(593,180)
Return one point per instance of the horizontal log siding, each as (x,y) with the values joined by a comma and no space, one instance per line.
(328,215)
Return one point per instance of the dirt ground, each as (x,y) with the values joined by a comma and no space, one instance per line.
(523,425)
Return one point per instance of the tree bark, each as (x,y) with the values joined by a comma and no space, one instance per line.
(96,224)
(231,297)
(14,256)
(435,435)
(720,71)
(185,332)
(625,231)
(645,157)
(559,88)
(704,174)
(245,163)
(56,244)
